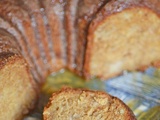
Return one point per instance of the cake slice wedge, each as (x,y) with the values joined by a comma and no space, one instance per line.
(125,35)
(18,90)
(78,104)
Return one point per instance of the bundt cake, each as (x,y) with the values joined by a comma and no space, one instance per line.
(44,28)
(124,35)
(18,91)
(97,38)
(78,104)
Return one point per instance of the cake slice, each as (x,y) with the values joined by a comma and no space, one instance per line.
(125,35)
(20,19)
(86,11)
(71,32)
(18,91)
(54,10)
(77,104)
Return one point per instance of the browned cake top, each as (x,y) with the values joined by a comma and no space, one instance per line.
(115,6)
(8,46)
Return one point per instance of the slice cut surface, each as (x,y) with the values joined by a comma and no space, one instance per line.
(76,104)
(126,40)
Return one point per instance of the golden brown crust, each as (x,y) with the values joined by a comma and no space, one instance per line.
(115,6)
(8,46)
(69,91)
(5,57)
(86,67)
(85,16)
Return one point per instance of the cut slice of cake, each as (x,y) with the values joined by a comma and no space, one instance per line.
(78,104)
(18,90)
(125,35)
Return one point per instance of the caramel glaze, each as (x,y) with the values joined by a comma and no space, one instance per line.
(71,32)
(54,10)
